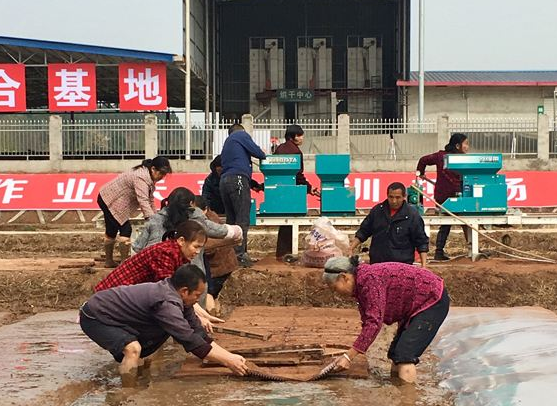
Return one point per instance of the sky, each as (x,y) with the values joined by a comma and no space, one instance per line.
(487,35)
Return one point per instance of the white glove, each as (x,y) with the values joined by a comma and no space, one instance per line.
(234,232)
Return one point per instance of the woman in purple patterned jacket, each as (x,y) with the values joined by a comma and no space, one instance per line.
(390,292)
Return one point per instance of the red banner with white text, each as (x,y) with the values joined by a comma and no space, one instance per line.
(79,191)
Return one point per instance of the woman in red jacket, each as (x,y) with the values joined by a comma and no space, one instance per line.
(447,185)
(294,138)
(388,293)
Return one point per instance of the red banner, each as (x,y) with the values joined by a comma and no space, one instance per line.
(142,86)
(12,88)
(72,87)
(79,191)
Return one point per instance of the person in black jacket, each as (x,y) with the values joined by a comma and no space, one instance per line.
(211,191)
(396,228)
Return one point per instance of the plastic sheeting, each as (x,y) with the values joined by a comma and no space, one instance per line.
(493,356)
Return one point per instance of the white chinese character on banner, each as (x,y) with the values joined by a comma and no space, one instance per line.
(144,86)
(159,187)
(200,184)
(71,194)
(12,187)
(7,97)
(365,189)
(71,91)
(516,191)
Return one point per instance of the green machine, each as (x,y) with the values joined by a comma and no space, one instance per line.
(336,199)
(282,195)
(483,190)
(415,198)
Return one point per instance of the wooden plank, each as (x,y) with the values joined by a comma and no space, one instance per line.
(59,215)
(40,215)
(268,349)
(241,333)
(76,265)
(18,215)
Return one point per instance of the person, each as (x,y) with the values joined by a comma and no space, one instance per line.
(120,197)
(391,292)
(294,138)
(177,208)
(448,184)
(132,322)
(396,228)
(210,190)
(160,261)
(220,260)
(237,151)
(211,185)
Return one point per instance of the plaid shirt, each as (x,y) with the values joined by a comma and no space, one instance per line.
(130,191)
(154,263)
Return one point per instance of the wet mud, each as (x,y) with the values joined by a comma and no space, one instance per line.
(45,272)
(53,363)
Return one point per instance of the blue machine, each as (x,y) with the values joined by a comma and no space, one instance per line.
(282,195)
(483,191)
(336,199)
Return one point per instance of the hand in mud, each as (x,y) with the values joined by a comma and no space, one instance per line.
(206,324)
(214,319)
(342,364)
(237,364)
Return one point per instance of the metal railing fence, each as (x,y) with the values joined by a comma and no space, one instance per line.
(24,139)
(106,138)
(513,137)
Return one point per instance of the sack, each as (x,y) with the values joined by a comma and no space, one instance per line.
(323,242)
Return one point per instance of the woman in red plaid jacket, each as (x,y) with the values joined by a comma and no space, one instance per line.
(121,197)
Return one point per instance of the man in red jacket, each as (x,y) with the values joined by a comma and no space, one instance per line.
(294,139)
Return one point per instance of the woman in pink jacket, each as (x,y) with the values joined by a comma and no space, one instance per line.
(391,292)
(121,197)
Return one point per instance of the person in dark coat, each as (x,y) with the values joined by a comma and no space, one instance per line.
(396,228)
(210,190)
(294,138)
(448,184)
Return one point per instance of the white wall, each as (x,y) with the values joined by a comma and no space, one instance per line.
(141,25)
(479,102)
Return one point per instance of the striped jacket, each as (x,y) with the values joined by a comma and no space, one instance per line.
(130,191)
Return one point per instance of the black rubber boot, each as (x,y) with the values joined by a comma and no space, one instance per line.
(440,256)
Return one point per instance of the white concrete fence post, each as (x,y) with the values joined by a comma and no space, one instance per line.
(55,143)
(443,133)
(343,134)
(543,137)
(151,137)
(247,122)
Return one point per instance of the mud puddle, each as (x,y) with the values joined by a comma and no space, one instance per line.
(499,356)
(487,356)
(48,361)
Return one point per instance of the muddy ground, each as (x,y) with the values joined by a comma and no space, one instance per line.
(55,268)
(57,271)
